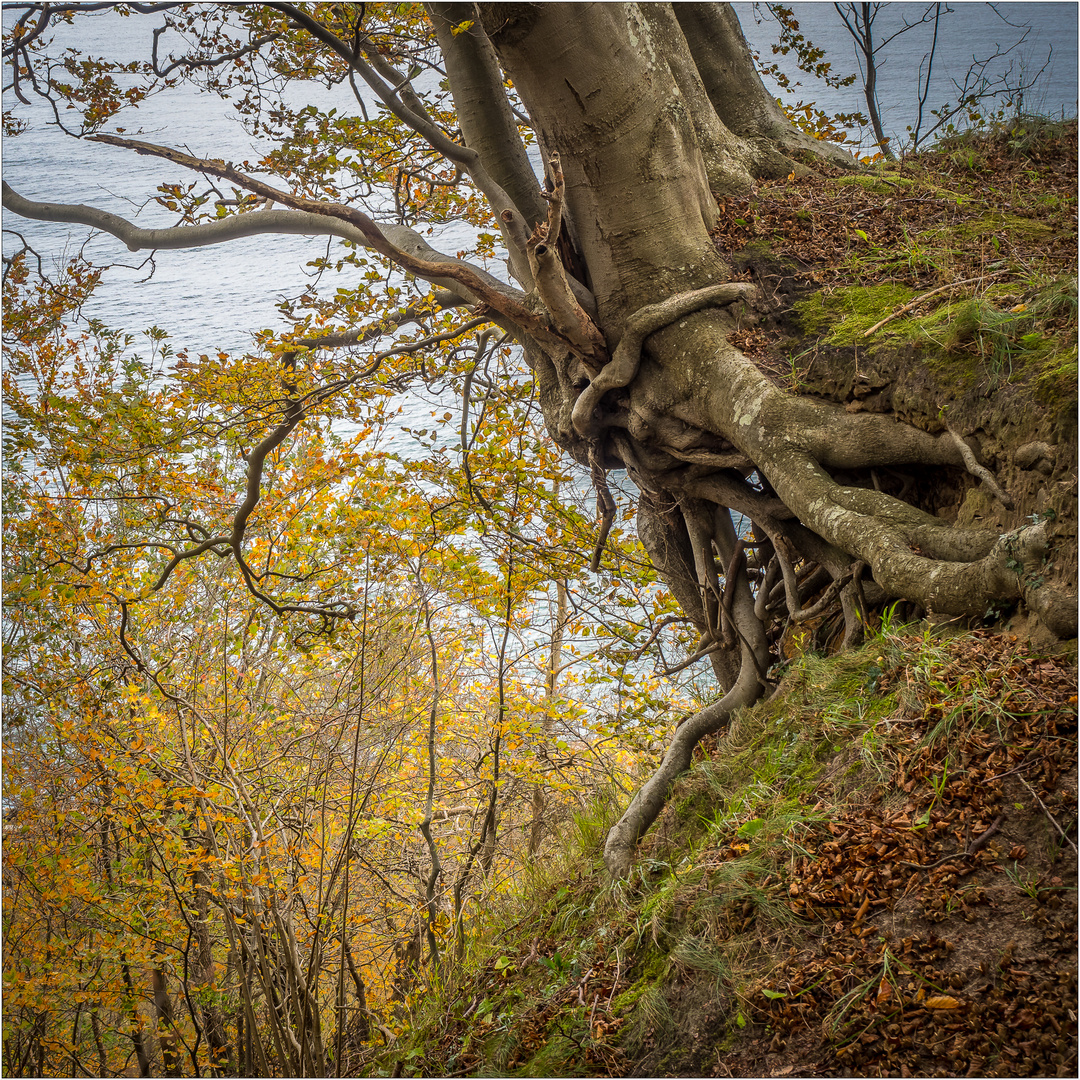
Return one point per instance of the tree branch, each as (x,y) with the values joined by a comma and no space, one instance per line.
(552,284)
(413,114)
(627,358)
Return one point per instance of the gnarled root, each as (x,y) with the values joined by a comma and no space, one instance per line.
(623,366)
(650,798)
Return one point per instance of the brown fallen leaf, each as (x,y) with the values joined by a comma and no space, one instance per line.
(942,1001)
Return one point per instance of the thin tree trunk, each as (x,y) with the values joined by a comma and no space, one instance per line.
(363,1028)
(138,1037)
(167,1038)
(866,44)
(95,1027)
(213,1022)
(536,827)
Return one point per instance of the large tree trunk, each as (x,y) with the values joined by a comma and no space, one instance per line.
(735,89)
(692,420)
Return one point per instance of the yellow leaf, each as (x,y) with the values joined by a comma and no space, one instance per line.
(942,1001)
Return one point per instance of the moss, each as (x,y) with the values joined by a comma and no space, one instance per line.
(1000,223)
(842,316)
(627,1001)
(983,343)
(1056,383)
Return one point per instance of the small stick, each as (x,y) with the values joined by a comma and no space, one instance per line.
(976,845)
(618,969)
(1047,812)
(981,841)
(926,296)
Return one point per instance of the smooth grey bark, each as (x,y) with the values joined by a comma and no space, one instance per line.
(257,223)
(724,153)
(601,95)
(734,86)
(487,122)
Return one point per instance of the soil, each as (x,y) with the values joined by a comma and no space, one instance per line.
(937,908)
(966,967)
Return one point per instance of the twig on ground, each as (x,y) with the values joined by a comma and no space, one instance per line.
(926,296)
(976,845)
(1050,816)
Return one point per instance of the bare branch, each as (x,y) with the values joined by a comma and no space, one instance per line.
(206,62)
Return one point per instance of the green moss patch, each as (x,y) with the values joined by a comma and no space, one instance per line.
(842,316)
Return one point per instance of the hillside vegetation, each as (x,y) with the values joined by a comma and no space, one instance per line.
(873,872)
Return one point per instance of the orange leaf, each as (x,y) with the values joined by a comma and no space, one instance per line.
(942,1001)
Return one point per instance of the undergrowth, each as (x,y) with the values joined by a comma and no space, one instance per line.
(760,861)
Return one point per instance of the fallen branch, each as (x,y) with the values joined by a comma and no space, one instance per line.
(1050,816)
(926,296)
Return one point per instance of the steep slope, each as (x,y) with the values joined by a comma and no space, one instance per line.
(874,872)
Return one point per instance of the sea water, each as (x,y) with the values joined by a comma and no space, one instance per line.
(213,299)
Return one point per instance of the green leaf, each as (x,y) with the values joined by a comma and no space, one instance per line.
(751,828)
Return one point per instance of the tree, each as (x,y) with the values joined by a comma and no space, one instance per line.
(981,90)
(621,304)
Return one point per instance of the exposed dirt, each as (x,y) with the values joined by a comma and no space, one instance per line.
(977,247)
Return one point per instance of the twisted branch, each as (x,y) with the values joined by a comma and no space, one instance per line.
(627,358)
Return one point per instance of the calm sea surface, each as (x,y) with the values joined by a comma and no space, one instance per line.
(971,32)
(215,297)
